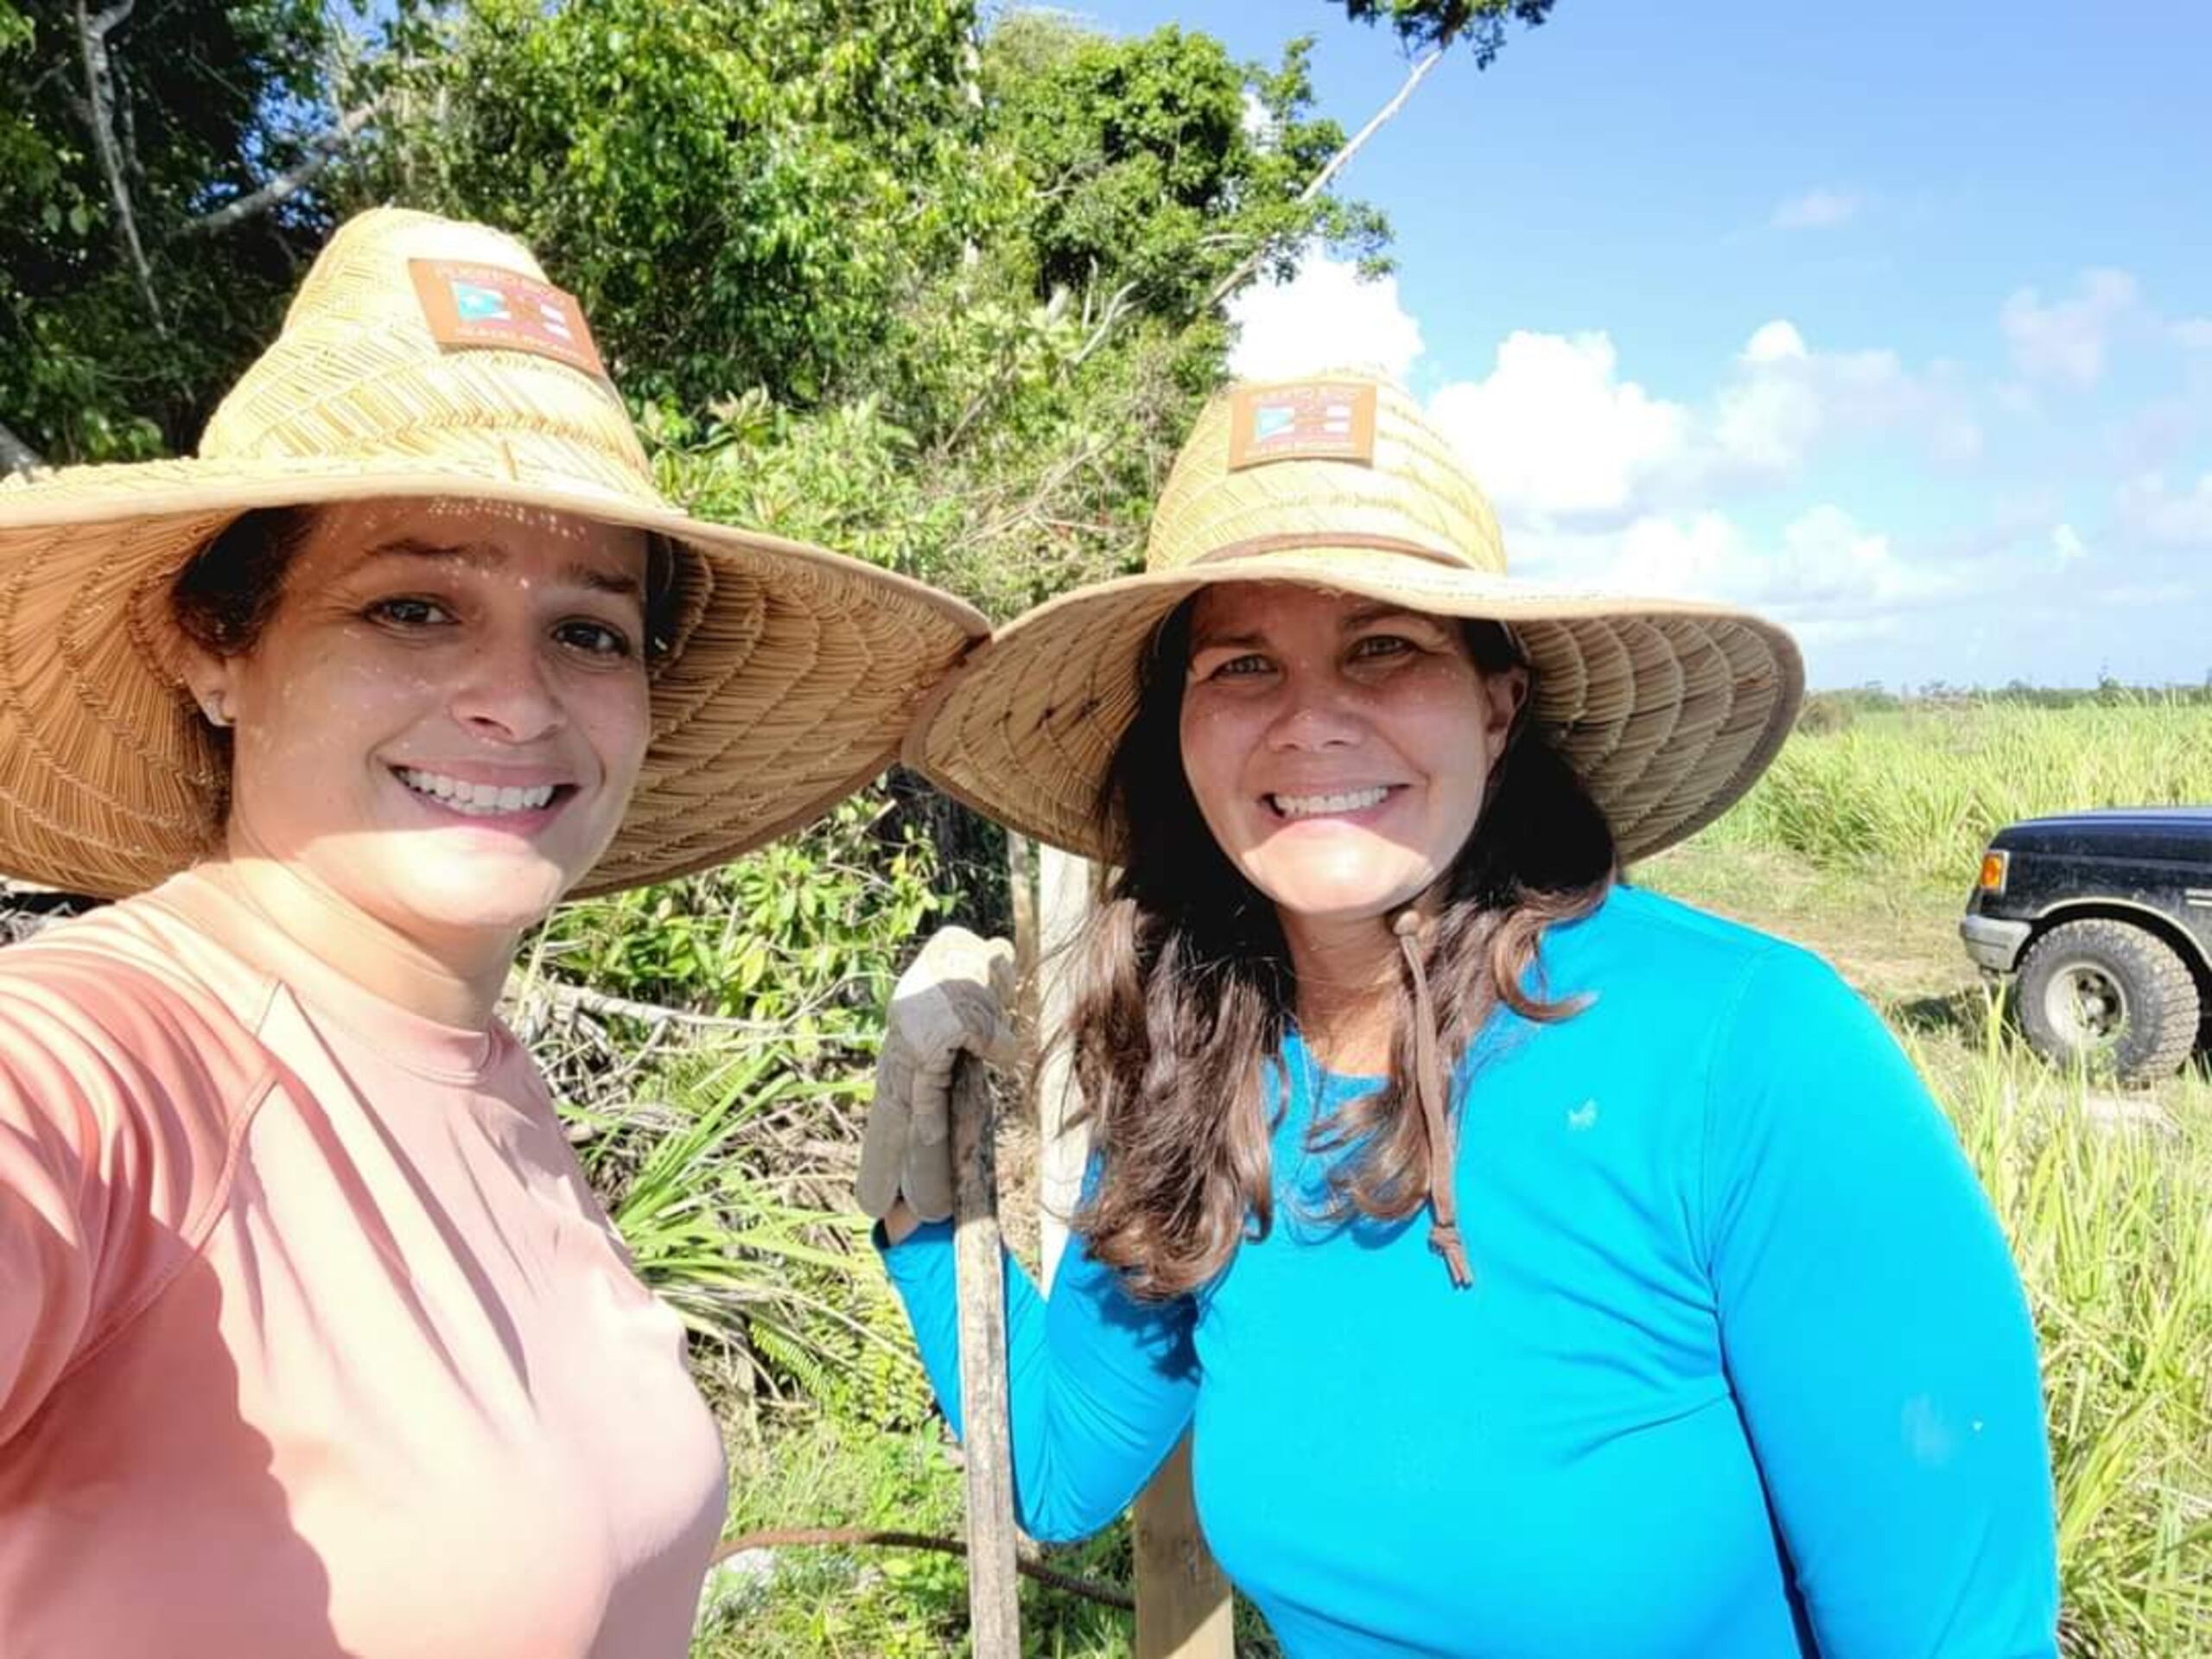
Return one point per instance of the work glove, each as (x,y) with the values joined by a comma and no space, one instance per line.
(954,998)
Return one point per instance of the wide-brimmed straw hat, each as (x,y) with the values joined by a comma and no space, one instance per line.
(427,358)
(1667,708)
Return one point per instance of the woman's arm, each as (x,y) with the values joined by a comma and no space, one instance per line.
(1100,1387)
(1875,1333)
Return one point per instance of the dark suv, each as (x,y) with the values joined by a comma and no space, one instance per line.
(2106,918)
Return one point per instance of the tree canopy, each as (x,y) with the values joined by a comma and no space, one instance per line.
(125,292)
(1438,23)
(940,295)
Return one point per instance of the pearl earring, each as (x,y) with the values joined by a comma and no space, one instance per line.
(217,710)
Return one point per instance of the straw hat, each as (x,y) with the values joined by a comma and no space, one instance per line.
(424,357)
(1667,708)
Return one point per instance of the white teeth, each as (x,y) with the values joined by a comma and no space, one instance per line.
(476,800)
(1312,806)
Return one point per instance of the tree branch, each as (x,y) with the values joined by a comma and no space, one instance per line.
(18,459)
(563,996)
(1115,306)
(1244,268)
(98,111)
(322,149)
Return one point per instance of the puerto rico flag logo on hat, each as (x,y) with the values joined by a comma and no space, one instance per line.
(1305,420)
(470,307)
(472,302)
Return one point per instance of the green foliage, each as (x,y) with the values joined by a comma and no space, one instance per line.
(1148,180)
(711,1230)
(876,1603)
(1915,795)
(739,191)
(1046,484)
(856,1601)
(1440,23)
(806,933)
(208,101)
(721,1146)
(2111,1224)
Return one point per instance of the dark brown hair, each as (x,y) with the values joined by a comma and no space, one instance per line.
(1184,988)
(224,599)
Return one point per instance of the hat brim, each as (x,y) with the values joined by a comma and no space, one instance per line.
(1668,709)
(797,673)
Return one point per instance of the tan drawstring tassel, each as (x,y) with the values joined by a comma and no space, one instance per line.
(1428,1090)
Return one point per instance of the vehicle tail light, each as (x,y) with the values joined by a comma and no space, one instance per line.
(1993,865)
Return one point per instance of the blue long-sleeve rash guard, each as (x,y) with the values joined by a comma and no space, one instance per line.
(1745,1368)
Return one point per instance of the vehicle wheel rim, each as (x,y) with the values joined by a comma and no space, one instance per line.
(2085,1005)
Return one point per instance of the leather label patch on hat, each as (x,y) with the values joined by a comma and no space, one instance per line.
(1301,420)
(484,306)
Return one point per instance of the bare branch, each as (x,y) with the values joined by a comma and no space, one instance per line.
(1033,506)
(133,168)
(1336,164)
(322,149)
(648,1013)
(18,459)
(1115,306)
(97,108)
(1243,269)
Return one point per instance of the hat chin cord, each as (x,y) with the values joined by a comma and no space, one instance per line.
(1428,1090)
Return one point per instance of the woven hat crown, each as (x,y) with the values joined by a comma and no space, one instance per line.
(1248,480)
(357,374)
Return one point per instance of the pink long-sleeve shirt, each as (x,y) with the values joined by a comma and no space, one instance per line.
(313,1339)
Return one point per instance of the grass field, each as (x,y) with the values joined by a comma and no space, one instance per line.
(1859,844)
(1910,796)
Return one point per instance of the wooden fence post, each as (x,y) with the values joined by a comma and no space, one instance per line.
(993,1604)
(1183,1609)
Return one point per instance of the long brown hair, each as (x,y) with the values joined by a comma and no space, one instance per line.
(1185,989)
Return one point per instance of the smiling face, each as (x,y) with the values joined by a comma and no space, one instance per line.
(443,718)
(1336,747)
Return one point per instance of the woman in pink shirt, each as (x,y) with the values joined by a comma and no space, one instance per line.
(313,1339)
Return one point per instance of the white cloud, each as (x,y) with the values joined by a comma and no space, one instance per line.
(2066,542)
(1824,568)
(1817,210)
(1775,342)
(2066,339)
(1326,317)
(2148,508)
(1553,431)
(2195,334)
(1829,562)
(1556,432)
(1782,398)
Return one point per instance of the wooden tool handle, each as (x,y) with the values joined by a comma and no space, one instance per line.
(994,1607)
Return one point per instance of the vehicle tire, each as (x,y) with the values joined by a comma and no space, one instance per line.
(2109,995)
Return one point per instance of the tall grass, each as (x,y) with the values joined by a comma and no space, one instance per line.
(2111,1225)
(1915,795)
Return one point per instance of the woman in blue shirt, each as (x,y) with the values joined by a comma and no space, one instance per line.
(1543,1267)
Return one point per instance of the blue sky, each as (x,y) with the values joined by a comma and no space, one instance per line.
(1892,321)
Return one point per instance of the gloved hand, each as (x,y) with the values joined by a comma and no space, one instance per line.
(955,998)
